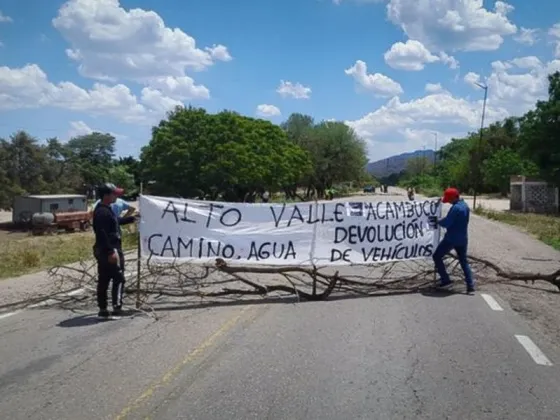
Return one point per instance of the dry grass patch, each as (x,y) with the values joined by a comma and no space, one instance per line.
(35,253)
(544,227)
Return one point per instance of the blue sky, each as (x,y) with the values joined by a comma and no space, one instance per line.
(397,71)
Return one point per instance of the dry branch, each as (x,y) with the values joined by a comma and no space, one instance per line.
(220,280)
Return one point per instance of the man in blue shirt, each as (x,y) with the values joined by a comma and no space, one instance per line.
(456,224)
(118,207)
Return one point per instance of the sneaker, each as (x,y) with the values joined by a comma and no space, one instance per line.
(117,311)
(445,285)
(470,290)
(103,314)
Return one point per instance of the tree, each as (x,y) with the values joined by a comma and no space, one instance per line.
(120,176)
(337,154)
(92,154)
(504,163)
(132,166)
(540,131)
(419,165)
(194,153)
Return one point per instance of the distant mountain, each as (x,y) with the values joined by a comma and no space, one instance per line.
(396,164)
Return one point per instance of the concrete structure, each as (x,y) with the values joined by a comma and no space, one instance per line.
(25,206)
(532,195)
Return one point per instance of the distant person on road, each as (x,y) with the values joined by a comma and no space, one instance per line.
(410,192)
(108,249)
(456,224)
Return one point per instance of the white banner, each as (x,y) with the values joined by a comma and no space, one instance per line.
(323,233)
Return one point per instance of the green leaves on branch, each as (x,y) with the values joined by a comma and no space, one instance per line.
(336,153)
(194,153)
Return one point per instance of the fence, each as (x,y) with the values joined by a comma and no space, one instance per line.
(532,195)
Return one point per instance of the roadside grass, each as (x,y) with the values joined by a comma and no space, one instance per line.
(30,254)
(430,191)
(546,228)
(36,253)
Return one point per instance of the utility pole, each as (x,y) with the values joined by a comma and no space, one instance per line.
(139,252)
(478,175)
(435,149)
(423,159)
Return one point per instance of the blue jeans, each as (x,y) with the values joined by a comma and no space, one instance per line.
(443,248)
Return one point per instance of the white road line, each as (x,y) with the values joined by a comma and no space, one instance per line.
(53,301)
(42,303)
(495,306)
(9,314)
(536,353)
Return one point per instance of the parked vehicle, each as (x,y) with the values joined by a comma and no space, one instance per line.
(25,206)
(50,213)
(52,222)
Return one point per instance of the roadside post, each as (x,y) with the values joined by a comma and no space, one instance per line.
(138,252)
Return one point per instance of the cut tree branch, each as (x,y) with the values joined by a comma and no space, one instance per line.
(220,279)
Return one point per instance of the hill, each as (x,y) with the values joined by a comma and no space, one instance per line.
(396,164)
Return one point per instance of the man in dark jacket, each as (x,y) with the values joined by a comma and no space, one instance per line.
(108,249)
(456,224)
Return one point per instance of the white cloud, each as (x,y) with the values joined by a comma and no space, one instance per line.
(391,128)
(29,87)
(433,87)
(518,84)
(219,52)
(379,84)
(411,55)
(111,43)
(500,65)
(514,86)
(4,18)
(449,60)
(452,25)
(472,78)
(157,101)
(527,36)
(80,128)
(554,32)
(530,62)
(294,90)
(180,88)
(265,110)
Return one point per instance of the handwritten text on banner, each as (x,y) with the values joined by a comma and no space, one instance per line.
(324,233)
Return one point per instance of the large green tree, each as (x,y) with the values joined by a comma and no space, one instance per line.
(337,154)
(501,165)
(92,154)
(193,153)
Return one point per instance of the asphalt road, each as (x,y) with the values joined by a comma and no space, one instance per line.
(449,356)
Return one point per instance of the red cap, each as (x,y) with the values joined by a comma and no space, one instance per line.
(449,195)
(118,191)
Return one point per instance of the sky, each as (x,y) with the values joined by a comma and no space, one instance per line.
(402,73)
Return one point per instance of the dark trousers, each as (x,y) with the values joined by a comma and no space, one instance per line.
(443,248)
(108,272)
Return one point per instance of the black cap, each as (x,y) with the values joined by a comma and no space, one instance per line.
(108,188)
